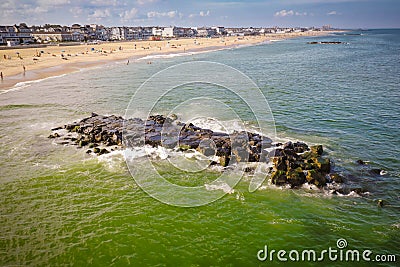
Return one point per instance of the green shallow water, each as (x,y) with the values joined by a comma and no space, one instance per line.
(88,214)
(59,206)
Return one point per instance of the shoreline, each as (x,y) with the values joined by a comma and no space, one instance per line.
(34,64)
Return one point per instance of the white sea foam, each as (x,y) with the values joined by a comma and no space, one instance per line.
(22,85)
(172,55)
(112,160)
(223,186)
(139,152)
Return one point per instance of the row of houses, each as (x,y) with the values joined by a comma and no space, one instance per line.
(22,34)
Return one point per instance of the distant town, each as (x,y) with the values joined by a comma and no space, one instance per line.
(22,34)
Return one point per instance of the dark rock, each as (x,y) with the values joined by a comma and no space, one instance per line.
(317,150)
(290,160)
(83,143)
(76,129)
(104,151)
(279,163)
(337,178)
(207,148)
(276,153)
(323,164)
(288,145)
(240,154)
(296,177)
(360,162)
(224,161)
(377,172)
(55,135)
(300,147)
(279,177)
(315,177)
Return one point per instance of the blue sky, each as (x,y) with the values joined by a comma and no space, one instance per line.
(228,13)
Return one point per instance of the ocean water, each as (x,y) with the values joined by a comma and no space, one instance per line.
(60,206)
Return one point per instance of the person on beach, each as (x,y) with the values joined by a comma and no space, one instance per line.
(127,63)
(23,66)
(1,75)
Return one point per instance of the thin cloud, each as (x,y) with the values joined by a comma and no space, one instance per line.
(53,2)
(204,14)
(289,13)
(144,2)
(155,14)
(201,14)
(129,15)
(332,13)
(284,13)
(100,14)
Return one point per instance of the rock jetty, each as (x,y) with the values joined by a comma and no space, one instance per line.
(293,163)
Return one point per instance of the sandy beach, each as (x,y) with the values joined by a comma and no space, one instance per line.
(28,64)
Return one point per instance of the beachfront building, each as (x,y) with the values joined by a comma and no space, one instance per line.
(15,35)
(189,32)
(47,37)
(157,31)
(118,33)
(173,32)
(206,32)
(219,30)
(168,32)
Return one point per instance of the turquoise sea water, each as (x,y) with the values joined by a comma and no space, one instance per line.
(59,206)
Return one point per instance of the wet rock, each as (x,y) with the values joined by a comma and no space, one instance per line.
(52,136)
(279,177)
(293,163)
(224,161)
(337,178)
(317,150)
(296,177)
(377,171)
(360,162)
(279,163)
(57,128)
(288,145)
(316,178)
(240,154)
(103,151)
(279,152)
(207,148)
(323,164)
(82,143)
